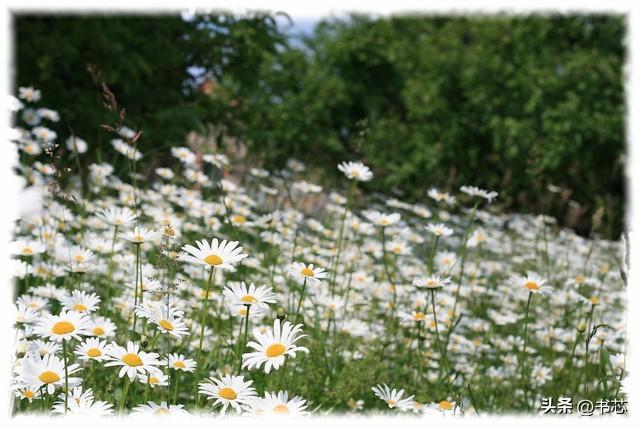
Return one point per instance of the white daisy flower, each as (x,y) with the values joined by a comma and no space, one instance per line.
(301,272)
(28,248)
(277,404)
(132,360)
(92,349)
(102,327)
(43,347)
(35,303)
(444,406)
(393,397)
(355,170)
(80,301)
(228,391)
(217,254)
(155,378)
(273,345)
(74,144)
(165,173)
(126,149)
(531,282)
(440,196)
(151,408)
(29,94)
(118,216)
(46,371)
(80,403)
(439,230)
(24,314)
(479,192)
(168,321)
(29,393)
(617,360)
(382,219)
(431,282)
(65,326)
(180,363)
(239,294)
(140,235)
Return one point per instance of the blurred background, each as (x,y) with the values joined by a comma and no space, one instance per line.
(529,106)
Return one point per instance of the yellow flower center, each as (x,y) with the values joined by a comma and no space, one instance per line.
(49,377)
(166,325)
(80,307)
(27,251)
(239,219)
(419,316)
(28,394)
(132,359)
(179,364)
(445,405)
(580,279)
(138,238)
(594,300)
(153,380)
(213,260)
(227,393)
(248,299)
(275,350)
(62,328)
(281,409)
(532,286)
(79,258)
(307,272)
(94,352)
(391,402)
(162,411)
(98,331)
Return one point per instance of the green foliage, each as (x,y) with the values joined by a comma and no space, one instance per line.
(508,103)
(153,64)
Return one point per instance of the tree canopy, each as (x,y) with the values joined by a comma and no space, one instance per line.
(510,103)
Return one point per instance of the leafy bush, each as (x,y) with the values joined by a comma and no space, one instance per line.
(511,103)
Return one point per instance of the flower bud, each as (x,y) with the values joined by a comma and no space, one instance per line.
(582,327)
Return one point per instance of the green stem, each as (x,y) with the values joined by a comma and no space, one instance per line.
(334,264)
(135,297)
(433,254)
(586,352)
(524,345)
(244,338)
(177,380)
(304,287)
(435,320)
(127,383)
(66,376)
(386,270)
(463,259)
(203,312)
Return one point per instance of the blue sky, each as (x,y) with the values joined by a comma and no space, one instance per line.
(301,25)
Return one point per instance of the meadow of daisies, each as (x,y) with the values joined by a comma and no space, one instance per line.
(196,289)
